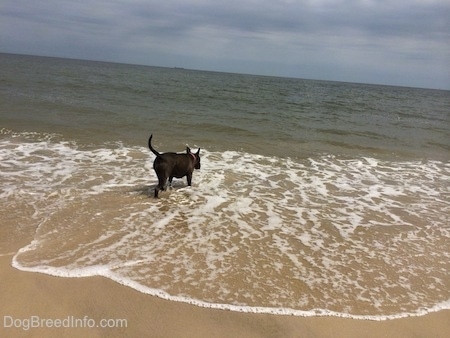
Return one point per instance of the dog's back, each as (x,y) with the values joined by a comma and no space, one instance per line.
(173,164)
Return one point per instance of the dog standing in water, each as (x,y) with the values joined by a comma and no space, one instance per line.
(170,165)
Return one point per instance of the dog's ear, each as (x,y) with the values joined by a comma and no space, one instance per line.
(188,150)
(198,151)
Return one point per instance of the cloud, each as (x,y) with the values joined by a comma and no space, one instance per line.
(350,40)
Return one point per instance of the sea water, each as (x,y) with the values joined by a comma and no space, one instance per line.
(314,198)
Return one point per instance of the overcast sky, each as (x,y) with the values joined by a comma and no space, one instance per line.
(398,42)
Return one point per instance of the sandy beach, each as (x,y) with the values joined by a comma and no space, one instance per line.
(41,301)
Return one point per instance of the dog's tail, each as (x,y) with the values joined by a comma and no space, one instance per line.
(150,146)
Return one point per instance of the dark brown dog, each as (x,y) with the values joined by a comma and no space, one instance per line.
(170,165)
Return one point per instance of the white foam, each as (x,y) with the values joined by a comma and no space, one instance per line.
(275,223)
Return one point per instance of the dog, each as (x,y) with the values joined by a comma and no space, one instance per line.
(170,165)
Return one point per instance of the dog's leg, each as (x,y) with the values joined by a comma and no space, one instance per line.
(189,179)
(170,181)
(162,181)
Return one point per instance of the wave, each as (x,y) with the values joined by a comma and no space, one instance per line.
(350,237)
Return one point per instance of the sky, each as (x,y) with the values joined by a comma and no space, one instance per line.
(394,42)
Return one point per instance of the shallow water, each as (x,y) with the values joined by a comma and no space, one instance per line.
(359,237)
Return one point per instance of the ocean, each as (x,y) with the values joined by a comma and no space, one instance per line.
(314,198)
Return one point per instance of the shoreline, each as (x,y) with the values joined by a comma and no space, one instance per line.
(85,302)
(160,294)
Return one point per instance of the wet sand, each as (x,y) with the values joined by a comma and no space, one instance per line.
(25,295)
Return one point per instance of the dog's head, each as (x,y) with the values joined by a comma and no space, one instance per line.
(196,156)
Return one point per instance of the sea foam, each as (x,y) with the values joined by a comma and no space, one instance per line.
(350,237)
